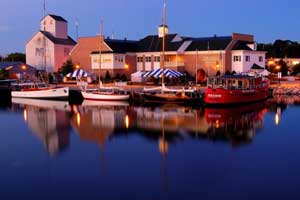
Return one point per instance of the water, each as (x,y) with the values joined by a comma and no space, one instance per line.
(51,150)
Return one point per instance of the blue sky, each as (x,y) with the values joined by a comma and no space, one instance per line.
(266,19)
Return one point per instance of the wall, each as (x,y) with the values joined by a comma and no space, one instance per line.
(37,60)
(60,55)
(244,66)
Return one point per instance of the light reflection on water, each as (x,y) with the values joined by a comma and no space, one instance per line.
(162,142)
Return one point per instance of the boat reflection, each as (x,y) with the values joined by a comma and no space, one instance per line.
(48,121)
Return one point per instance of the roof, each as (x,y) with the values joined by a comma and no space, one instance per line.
(209,43)
(237,76)
(16,67)
(153,43)
(242,45)
(56,18)
(256,66)
(119,46)
(61,41)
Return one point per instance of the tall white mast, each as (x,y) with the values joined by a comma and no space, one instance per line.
(77,28)
(163,45)
(100,50)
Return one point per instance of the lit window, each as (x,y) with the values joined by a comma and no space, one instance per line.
(157,59)
(148,59)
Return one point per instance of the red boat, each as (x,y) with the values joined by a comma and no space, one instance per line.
(236,89)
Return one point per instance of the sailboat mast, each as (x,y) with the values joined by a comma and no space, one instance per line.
(163,46)
(100,50)
(44,42)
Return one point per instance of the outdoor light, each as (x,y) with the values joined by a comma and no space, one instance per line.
(126,66)
(24,67)
(77,66)
(278,67)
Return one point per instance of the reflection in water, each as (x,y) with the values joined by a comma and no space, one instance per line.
(50,125)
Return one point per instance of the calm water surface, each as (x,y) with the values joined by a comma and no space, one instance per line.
(51,150)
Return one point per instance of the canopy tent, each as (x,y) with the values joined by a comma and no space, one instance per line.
(157,73)
(78,73)
(137,76)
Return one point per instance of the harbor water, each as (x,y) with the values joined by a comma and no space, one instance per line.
(113,150)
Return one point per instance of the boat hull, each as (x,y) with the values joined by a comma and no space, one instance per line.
(49,94)
(165,98)
(223,96)
(105,96)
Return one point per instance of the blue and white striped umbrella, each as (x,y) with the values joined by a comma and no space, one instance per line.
(157,73)
(77,73)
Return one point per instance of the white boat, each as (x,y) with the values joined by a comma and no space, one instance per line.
(104,93)
(39,91)
(105,96)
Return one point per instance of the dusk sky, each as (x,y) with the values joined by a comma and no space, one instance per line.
(266,19)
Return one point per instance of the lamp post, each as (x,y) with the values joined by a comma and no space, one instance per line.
(278,67)
(24,68)
(77,66)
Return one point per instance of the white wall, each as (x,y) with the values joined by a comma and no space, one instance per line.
(244,66)
(58,29)
(37,60)
(108,61)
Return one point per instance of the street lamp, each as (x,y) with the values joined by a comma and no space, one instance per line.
(77,66)
(24,67)
(278,67)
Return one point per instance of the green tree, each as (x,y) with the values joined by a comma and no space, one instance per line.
(67,67)
(296,69)
(15,57)
(283,67)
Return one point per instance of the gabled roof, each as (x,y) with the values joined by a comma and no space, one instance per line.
(153,43)
(16,67)
(209,43)
(242,45)
(60,41)
(256,66)
(119,46)
(56,18)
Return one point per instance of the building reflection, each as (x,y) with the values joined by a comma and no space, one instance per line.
(49,125)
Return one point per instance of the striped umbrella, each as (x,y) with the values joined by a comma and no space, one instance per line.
(77,73)
(157,73)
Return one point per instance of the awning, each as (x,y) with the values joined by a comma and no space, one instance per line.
(157,73)
(78,73)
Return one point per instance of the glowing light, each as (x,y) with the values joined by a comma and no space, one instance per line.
(24,67)
(25,115)
(126,66)
(127,121)
(278,67)
(277,119)
(77,66)
(163,146)
(78,119)
(271,62)
(217,124)
(296,62)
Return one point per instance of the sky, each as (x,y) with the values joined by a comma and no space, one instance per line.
(268,20)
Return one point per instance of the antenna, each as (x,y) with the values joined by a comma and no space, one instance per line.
(77,28)
(101,38)
(163,45)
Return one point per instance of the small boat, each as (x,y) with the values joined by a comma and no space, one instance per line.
(39,91)
(172,96)
(112,95)
(236,89)
(103,93)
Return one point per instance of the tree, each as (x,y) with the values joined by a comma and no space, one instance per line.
(67,67)
(3,74)
(107,77)
(15,57)
(218,73)
(296,69)
(283,67)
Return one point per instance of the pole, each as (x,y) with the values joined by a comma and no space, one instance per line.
(100,51)
(77,27)
(196,66)
(163,46)
(208,58)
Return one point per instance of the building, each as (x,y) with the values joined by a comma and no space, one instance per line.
(49,48)
(18,70)
(212,54)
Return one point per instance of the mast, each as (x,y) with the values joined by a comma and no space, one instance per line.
(44,41)
(77,28)
(100,51)
(163,46)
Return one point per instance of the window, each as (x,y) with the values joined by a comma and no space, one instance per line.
(237,58)
(247,58)
(157,59)
(39,51)
(260,58)
(140,59)
(66,51)
(148,59)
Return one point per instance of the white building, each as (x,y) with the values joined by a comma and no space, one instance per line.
(50,46)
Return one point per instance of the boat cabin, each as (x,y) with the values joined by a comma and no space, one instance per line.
(234,82)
